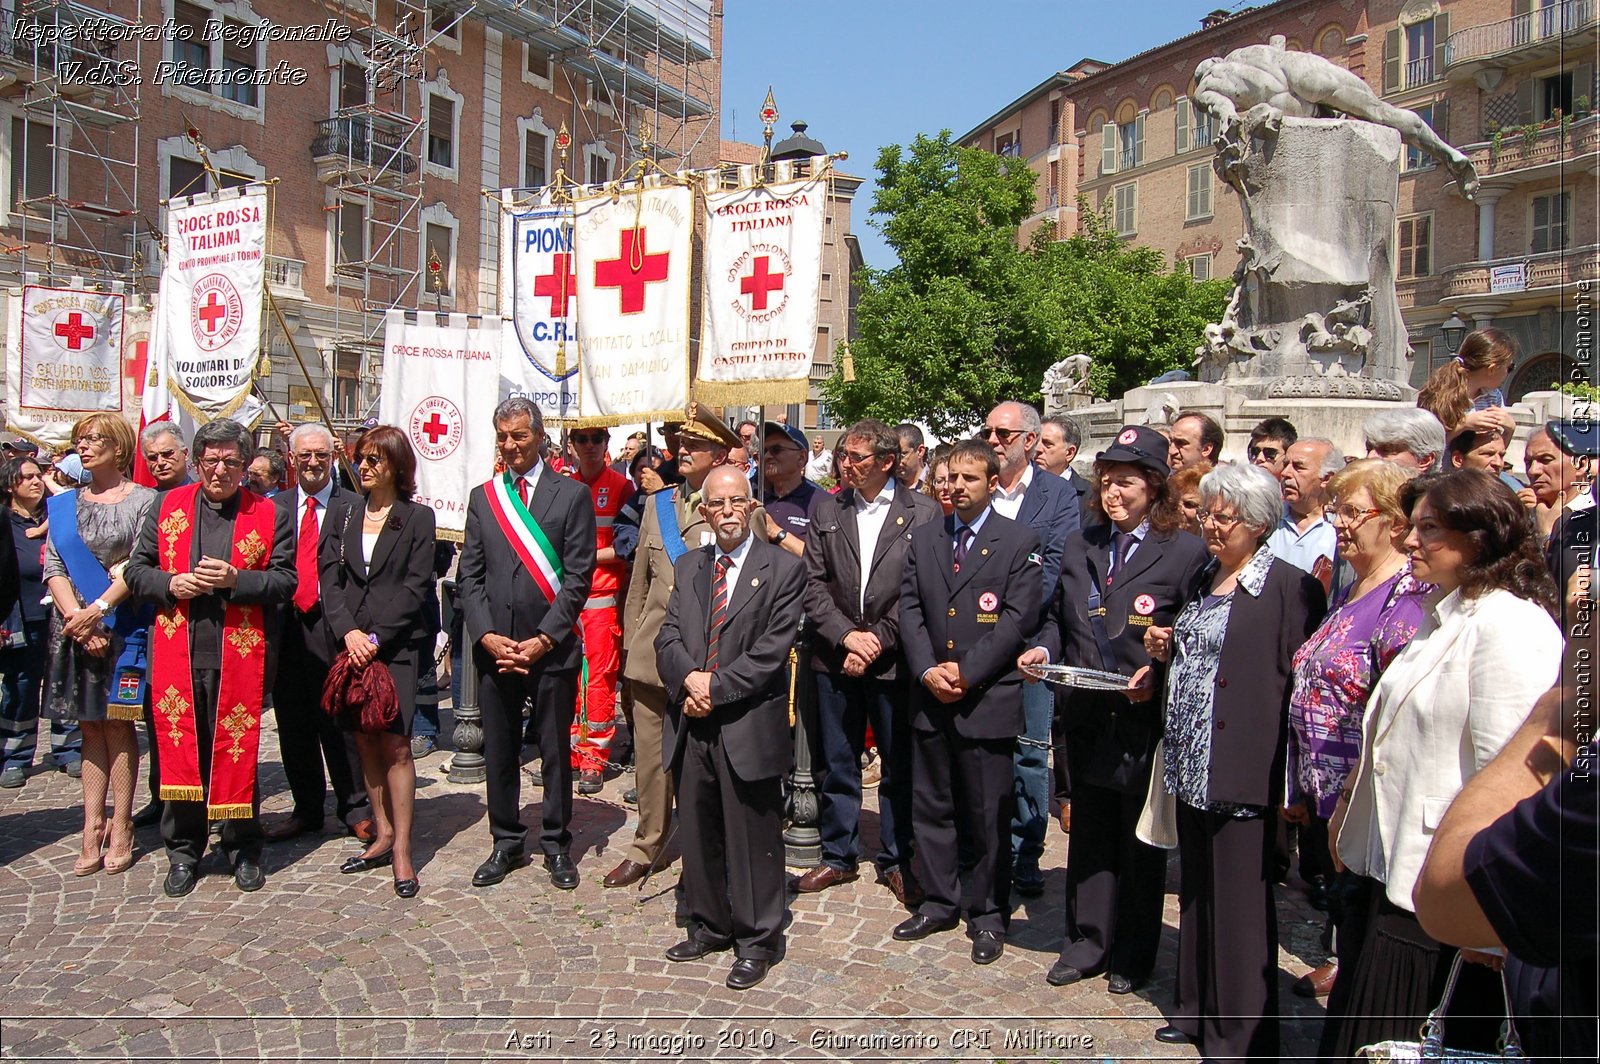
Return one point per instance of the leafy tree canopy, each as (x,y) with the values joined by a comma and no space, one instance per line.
(969,318)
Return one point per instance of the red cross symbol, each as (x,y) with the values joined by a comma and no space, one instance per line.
(212,312)
(435,428)
(759,283)
(621,274)
(560,284)
(74,331)
(136,364)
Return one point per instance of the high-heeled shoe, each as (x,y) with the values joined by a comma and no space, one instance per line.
(407,888)
(120,859)
(359,863)
(88,866)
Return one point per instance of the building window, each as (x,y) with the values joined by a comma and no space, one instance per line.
(538,67)
(1194,127)
(438,243)
(185,177)
(442,131)
(215,43)
(1126,204)
(447,24)
(1008,144)
(189,48)
(350,234)
(1416,246)
(352,84)
(32,162)
(827,286)
(347,398)
(1199,267)
(1055,122)
(1552,96)
(1419,53)
(535,159)
(1549,227)
(599,169)
(1199,205)
(1413,54)
(1121,145)
(1416,158)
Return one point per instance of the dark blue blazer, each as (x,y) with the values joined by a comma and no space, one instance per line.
(1050,508)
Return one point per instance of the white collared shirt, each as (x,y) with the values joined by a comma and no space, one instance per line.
(738,556)
(870,516)
(1009,503)
(323,497)
(530,478)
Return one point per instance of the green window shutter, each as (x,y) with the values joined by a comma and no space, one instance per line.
(1441,36)
(1391,61)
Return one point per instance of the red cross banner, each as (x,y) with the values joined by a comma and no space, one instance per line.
(539,302)
(441,384)
(633,274)
(209,312)
(762,278)
(63,361)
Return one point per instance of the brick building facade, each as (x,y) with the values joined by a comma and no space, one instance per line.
(1126,138)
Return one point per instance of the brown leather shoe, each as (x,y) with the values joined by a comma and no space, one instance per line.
(364,830)
(625,874)
(822,877)
(288,828)
(1318,982)
(904,886)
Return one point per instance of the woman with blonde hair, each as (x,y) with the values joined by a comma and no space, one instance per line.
(96,671)
(1185,488)
(1464,393)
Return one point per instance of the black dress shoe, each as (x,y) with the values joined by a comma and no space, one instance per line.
(1063,974)
(406,888)
(1028,884)
(987,947)
(1172,1036)
(149,815)
(496,868)
(181,879)
(746,973)
(919,927)
(1318,893)
(248,876)
(358,863)
(1121,984)
(692,949)
(563,873)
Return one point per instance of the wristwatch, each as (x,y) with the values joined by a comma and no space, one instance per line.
(103,606)
(783,534)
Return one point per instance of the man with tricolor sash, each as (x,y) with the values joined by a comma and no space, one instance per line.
(524,576)
(218,562)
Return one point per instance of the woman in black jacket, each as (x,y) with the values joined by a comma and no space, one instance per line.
(1130,568)
(25,635)
(376,572)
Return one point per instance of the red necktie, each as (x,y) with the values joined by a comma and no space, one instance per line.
(305,559)
(522,491)
(719,609)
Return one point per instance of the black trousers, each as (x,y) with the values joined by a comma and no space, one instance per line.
(962,795)
(733,874)
(555,702)
(152,762)
(844,706)
(1115,885)
(185,825)
(1227,994)
(307,737)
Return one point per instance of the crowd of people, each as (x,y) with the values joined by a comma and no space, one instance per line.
(1306,644)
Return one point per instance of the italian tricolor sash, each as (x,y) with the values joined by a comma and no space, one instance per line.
(236,734)
(524,534)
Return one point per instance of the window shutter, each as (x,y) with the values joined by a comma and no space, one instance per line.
(1441,37)
(1180,140)
(1440,123)
(1391,61)
(1583,82)
(1138,140)
(1525,100)
(1108,148)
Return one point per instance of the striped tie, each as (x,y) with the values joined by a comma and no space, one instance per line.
(719,608)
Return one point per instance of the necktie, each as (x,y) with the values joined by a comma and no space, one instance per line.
(1120,541)
(305,559)
(964,538)
(719,608)
(522,491)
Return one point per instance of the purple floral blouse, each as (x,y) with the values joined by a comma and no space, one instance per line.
(1334,672)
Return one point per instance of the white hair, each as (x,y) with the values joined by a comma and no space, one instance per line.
(1414,429)
(310,428)
(1332,457)
(1251,490)
(154,432)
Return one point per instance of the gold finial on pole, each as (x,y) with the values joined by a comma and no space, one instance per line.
(769,117)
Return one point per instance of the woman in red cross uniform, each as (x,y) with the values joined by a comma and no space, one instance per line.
(594,726)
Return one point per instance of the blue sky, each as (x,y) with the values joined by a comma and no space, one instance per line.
(865,73)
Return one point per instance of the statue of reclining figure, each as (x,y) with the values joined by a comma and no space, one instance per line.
(1269,81)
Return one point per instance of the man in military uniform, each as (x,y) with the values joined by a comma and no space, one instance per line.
(671,527)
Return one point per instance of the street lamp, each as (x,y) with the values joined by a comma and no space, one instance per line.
(1453,331)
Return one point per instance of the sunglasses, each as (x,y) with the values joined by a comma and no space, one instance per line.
(1005,435)
(1269,453)
(588,439)
(779,452)
(370,459)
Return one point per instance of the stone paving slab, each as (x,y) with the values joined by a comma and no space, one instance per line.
(320,966)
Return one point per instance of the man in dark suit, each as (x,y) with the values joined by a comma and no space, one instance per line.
(306,735)
(1059,440)
(969,602)
(855,557)
(1049,506)
(722,653)
(524,575)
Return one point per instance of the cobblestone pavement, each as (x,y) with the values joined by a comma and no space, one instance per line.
(330,967)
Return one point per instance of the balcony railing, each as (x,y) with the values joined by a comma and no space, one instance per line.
(1549,270)
(1551,144)
(1520,31)
(354,138)
(1127,159)
(285,276)
(1419,71)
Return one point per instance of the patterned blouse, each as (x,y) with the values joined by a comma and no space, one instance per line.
(1197,637)
(1334,673)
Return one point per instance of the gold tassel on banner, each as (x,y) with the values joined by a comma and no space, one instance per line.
(794,667)
(847,363)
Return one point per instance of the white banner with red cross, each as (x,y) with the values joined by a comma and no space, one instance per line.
(539,302)
(64,361)
(208,318)
(634,279)
(441,384)
(762,277)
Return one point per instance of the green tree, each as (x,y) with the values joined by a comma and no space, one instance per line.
(968,317)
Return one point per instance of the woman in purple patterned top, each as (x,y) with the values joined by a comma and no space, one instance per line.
(1336,669)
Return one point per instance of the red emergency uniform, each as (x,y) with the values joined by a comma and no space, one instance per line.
(595,724)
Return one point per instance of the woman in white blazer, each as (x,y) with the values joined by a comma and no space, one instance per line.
(1486,650)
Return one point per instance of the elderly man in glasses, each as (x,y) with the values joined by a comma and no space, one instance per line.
(1047,505)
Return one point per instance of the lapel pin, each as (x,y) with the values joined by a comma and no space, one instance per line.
(755,581)
(899,520)
(984,552)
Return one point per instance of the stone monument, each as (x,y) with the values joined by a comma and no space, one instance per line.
(1066,385)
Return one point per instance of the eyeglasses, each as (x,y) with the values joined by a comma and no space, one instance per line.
(312,456)
(232,465)
(588,439)
(736,504)
(856,459)
(160,456)
(779,452)
(370,459)
(1348,515)
(1224,522)
(1006,435)
(1271,454)
(93,439)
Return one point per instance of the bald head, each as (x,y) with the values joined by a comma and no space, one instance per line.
(725,505)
